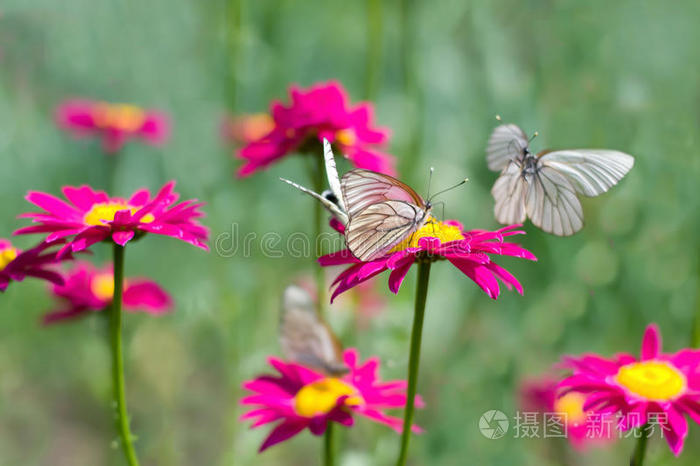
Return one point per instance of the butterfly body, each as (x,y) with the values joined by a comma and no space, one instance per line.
(545,186)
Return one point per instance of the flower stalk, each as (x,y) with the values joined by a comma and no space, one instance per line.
(414,356)
(318,181)
(115,327)
(328,453)
(641,447)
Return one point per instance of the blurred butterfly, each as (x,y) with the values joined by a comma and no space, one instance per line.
(305,338)
(380,211)
(544,186)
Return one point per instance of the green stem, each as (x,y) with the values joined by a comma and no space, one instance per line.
(641,447)
(233,38)
(374,47)
(115,331)
(318,176)
(328,457)
(414,356)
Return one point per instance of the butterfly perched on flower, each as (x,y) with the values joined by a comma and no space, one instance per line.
(545,186)
(305,338)
(377,210)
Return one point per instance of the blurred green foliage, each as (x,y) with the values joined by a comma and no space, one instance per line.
(619,75)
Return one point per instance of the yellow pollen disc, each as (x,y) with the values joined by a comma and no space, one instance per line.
(571,404)
(7,255)
(102,286)
(119,116)
(258,125)
(103,212)
(320,397)
(653,380)
(346,137)
(433,229)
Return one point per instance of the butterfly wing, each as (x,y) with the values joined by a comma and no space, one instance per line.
(380,227)
(591,172)
(551,202)
(332,173)
(509,193)
(335,209)
(507,143)
(305,338)
(362,188)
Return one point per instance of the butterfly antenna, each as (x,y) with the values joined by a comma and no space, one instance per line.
(498,117)
(448,189)
(534,135)
(430,179)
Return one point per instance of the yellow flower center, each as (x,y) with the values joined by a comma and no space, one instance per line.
(7,255)
(102,286)
(119,116)
(258,125)
(346,137)
(103,212)
(321,397)
(433,229)
(571,404)
(653,380)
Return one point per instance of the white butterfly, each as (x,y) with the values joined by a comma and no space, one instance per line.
(378,210)
(305,338)
(544,186)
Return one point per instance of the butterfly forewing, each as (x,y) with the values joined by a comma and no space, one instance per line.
(382,212)
(305,338)
(591,172)
(507,143)
(362,188)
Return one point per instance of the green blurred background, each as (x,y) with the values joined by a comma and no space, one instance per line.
(620,75)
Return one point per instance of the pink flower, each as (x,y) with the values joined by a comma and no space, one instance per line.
(301,398)
(469,251)
(15,264)
(113,123)
(244,129)
(658,388)
(582,428)
(87,289)
(91,216)
(322,111)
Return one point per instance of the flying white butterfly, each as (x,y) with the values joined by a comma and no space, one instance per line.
(379,211)
(544,186)
(305,338)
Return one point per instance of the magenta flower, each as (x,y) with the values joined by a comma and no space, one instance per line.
(91,216)
(87,289)
(657,388)
(115,124)
(583,428)
(36,262)
(469,251)
(321,111)
(301,398)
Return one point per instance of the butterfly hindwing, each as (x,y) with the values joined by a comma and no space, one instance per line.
(305,338)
